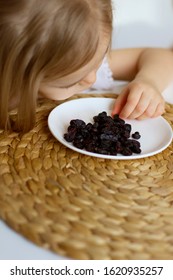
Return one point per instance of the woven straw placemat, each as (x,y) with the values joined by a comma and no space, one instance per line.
(83,207)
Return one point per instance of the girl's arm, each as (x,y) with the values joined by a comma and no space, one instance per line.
(150,71)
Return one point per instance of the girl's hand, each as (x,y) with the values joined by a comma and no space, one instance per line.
(139,100)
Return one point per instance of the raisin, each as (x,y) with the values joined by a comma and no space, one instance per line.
(90,147)
(69,137)
(102,151)
(77,123)
(108,136)
(118,120)
(127,127)
(126,152)
(136,135)
(78,143)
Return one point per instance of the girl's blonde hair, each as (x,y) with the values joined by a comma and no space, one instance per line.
(43,40)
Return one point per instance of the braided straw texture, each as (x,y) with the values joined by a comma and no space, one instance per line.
(83,207)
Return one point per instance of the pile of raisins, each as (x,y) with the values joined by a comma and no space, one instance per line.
(107,135)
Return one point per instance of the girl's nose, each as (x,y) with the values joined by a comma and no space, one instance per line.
(90,78)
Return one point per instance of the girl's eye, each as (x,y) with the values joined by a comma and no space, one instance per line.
(67,87)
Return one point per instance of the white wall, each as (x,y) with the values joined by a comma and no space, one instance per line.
(147,23)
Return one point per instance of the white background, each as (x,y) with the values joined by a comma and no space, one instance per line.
(143,23)
(136,23)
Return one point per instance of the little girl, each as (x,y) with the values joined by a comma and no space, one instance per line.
(54,48)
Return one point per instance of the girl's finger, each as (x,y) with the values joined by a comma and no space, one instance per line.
(140,107)
(120,102)
(131,102)
(152,111)
(159,110)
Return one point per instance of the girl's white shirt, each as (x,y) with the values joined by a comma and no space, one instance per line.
(104,77)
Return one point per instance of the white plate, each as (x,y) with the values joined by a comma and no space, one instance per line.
(156,134)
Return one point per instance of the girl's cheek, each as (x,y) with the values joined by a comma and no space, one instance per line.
(54,93)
